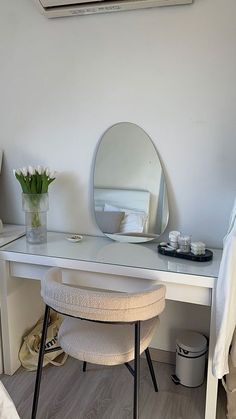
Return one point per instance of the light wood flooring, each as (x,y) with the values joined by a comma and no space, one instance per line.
(106,393)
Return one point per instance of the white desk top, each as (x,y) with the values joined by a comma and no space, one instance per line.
(105,251)
(10,233)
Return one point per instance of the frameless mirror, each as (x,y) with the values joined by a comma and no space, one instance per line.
(130,197)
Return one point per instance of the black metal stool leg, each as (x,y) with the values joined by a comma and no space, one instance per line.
(84,366)
(40,363)
(151,369)
(136,370)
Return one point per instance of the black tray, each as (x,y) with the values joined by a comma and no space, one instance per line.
(190,256)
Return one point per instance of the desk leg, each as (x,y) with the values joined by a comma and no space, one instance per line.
(212,382)
(21,306)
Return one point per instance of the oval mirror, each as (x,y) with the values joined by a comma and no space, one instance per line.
(130,197)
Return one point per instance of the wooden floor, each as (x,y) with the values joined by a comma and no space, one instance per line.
(106,393)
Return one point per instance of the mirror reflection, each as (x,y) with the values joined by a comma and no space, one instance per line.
(130,197)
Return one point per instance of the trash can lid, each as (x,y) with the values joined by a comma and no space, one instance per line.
(192,341)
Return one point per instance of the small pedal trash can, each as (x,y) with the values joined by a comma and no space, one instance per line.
(191,350)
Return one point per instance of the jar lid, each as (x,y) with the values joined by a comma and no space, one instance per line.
(192,341)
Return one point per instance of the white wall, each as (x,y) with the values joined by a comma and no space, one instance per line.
(63,82)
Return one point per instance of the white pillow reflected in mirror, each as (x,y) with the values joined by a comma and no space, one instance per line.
(133,221)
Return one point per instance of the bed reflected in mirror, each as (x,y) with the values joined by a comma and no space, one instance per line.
(130,196)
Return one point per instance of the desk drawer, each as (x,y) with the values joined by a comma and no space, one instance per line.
(175,292)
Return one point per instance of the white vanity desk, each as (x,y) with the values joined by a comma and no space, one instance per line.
(104,264)
(9,233)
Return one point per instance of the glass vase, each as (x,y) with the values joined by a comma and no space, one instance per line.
(35,207)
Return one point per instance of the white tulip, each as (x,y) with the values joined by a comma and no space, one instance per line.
(24,171)
(16,172)
(31,170)
(47,171)
(40,169)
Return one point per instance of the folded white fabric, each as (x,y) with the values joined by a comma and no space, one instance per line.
(133,221)
(7,407)
(225,311)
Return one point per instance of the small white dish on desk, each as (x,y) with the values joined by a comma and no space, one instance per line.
(75,238)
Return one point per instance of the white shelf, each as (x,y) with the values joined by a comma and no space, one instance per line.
(10,233)
(101,250)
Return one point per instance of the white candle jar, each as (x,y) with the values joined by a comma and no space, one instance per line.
(184,243)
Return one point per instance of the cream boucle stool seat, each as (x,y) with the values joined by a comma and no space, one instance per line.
(101,343)
(107,328)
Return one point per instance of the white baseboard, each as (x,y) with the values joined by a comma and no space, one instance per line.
(159,355)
